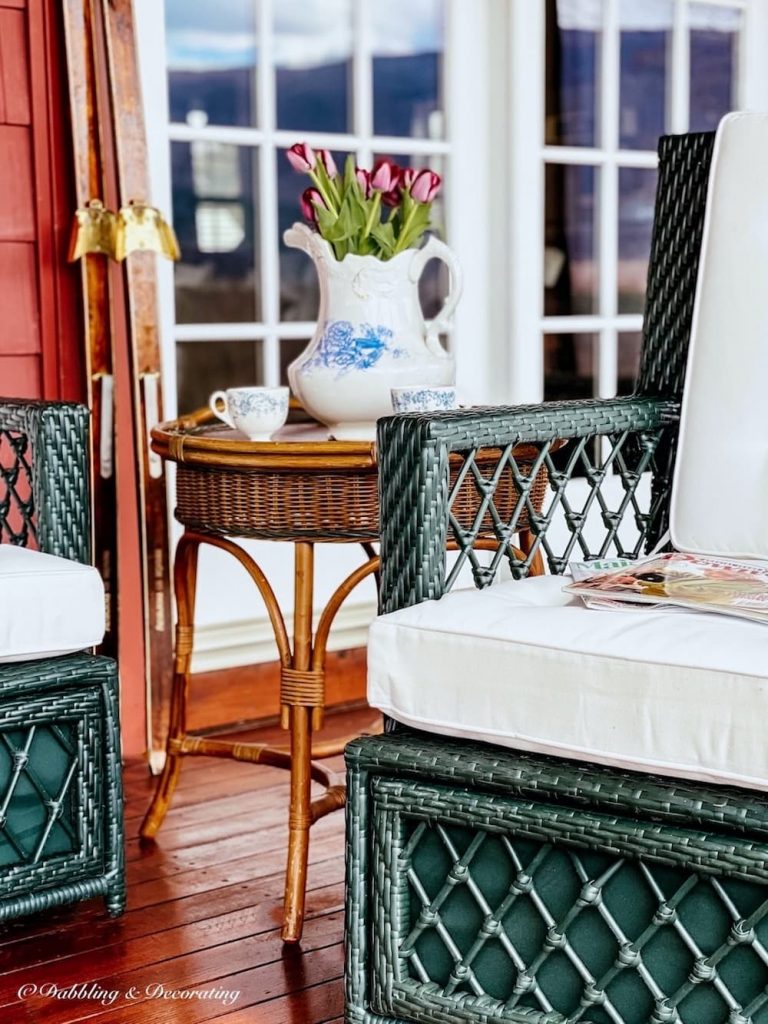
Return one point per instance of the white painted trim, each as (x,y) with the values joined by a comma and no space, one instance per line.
(587,324)
(525,295)
(584,155)
(251,641)
(753,65)
(469,209)
(239,135)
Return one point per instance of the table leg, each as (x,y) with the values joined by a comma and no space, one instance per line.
(185,582)
(300,722)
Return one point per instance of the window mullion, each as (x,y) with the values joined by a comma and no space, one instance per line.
(362,80)
(606,382)
(679,112)
(267,199)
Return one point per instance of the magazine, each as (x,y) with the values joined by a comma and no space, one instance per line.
(586,570)
(697,582)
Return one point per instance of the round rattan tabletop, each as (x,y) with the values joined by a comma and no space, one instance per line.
(300,485)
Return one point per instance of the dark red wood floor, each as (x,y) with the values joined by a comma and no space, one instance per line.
(203,917)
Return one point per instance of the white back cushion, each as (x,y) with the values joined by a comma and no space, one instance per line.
(720,490)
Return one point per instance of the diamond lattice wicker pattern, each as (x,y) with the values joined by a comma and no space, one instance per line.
(511,910)
(17,506)
(38,816)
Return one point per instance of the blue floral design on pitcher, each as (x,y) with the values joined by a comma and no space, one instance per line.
(341,348)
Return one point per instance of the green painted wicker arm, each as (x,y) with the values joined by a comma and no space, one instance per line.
(436,488)
(44,484)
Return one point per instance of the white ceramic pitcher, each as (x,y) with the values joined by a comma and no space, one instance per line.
(371,334)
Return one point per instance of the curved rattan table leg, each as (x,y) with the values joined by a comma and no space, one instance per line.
(185,582)
(300,725)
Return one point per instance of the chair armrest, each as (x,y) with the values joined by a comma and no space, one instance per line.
(44,478)
(415,492)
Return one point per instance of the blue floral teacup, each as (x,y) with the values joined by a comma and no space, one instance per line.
(424,398)
(255,412)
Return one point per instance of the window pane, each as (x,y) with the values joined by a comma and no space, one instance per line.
(570,257)
(214,216)
(714,50)
(408,43)
(205,366)
(572,58)
(313,58)
(211,50)
(645,45)
(215,219)
(630,344)
(637,194)
(570,362)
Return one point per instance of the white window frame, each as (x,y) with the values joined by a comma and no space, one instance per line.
(528,155)
(465,92)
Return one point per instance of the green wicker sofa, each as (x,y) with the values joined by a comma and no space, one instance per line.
(61,815)
(488,878)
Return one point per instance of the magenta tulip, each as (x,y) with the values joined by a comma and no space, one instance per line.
(425,186)
(385,176)
(364,180)
(302,157)
(325,157)
(309,197)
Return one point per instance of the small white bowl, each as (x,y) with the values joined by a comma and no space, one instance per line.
(424,398)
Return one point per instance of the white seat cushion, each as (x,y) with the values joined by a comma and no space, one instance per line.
(523,665)
(48,605)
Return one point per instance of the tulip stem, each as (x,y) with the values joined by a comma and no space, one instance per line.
(404,230)
(375,207)
(327,197)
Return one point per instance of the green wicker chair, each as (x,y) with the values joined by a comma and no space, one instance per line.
(61,816)
(487,884)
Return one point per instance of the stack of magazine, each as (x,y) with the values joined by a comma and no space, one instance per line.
(675,580)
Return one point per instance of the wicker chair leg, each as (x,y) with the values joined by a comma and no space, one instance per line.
(185,581)
(115,849)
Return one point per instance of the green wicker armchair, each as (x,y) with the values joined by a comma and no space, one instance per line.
(61,817)
(488,884)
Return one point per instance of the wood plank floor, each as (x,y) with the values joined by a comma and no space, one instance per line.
(203,917)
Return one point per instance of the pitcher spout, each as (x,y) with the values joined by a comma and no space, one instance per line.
(299,236)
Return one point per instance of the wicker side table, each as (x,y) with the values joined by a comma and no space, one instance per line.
(300,488)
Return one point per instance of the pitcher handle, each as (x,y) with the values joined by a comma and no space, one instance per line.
(435,249)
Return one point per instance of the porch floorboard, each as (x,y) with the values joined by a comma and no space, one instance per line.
(204,913)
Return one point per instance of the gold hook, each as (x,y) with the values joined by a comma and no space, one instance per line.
(143,228)
(93,231)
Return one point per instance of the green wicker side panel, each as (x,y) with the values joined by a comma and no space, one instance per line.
(51,802)
(491,908)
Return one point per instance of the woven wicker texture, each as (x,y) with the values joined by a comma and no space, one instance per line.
(47,508)
(508,888)
(325,504)
(489,886)
(61,814)
(621,438)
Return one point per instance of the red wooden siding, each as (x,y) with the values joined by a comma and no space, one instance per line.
(39,332)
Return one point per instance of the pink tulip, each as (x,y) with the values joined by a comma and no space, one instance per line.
(302,157)
(325,157)
(409,173)
(385,176)
(309,197)
(364,180)
(425,186)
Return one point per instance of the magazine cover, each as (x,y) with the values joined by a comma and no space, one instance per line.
(690,581)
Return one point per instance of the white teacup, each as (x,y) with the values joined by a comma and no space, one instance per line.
(424,398)
(255,412)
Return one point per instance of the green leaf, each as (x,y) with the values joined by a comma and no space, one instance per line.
(385,236)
